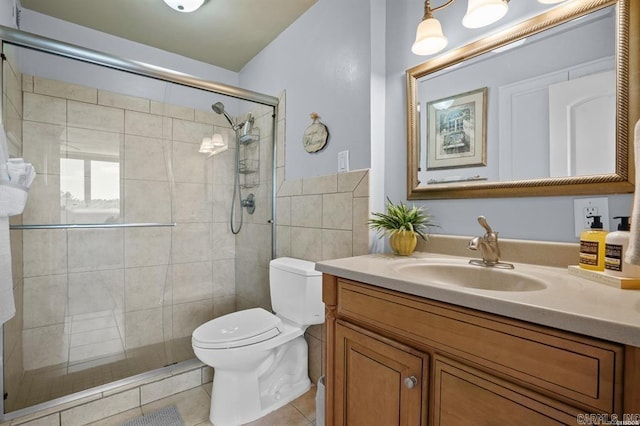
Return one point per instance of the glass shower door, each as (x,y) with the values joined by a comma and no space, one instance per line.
(125,246)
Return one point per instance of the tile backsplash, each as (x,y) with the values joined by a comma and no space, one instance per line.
(321,218)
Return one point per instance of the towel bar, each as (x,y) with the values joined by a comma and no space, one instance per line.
(90,225)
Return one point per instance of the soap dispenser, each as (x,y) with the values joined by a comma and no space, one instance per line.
(616,245)
(592,246)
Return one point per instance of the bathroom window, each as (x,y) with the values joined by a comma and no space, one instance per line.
(90,190)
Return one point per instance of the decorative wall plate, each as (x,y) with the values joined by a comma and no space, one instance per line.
(316,135)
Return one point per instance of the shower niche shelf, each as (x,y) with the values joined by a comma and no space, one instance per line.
(249,160)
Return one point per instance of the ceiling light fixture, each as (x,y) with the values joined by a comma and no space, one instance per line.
(184,5)
(480,13)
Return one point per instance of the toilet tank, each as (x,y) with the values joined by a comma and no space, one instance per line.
(296,290)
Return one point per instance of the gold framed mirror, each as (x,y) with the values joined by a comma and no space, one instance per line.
(446,128)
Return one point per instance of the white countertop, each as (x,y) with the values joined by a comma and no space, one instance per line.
(567,303)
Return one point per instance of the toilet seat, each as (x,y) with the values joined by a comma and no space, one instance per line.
(237,329)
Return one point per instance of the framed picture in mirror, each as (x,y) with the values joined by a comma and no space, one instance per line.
(456,135)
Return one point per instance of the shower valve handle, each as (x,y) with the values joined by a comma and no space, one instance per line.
(249,203)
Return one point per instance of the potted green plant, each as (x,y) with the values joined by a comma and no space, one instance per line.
(402,224)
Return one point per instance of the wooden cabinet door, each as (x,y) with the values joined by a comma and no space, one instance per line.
(378,381)
(464,395)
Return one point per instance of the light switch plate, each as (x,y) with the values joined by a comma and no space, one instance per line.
(343,161)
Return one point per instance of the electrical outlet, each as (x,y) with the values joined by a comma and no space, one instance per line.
(585,207)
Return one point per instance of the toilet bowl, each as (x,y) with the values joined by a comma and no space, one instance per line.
(260,359)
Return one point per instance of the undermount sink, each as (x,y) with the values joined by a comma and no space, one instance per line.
(470,276)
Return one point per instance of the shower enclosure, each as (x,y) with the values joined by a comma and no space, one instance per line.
(125,247)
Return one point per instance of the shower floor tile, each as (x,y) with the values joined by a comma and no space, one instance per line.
(99,368)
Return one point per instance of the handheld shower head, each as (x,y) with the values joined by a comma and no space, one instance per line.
(218,108)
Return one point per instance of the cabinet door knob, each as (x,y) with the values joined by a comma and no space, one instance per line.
(410,382)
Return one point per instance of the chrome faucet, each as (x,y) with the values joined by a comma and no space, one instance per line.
(488,246)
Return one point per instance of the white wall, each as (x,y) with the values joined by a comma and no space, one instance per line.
(378,104)
(323,62)
(7,15)
(538,218)
(57,29)
(85,74)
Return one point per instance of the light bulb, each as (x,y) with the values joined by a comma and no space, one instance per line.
(481,13)
(184,5)
(429,38)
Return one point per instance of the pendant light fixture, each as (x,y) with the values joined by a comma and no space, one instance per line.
(184,6)
(429,36)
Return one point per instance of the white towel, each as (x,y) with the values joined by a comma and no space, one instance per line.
(7,307)
(4,153)
(16,176)
(14,188)
(632,255)
(20,172)
(13,198)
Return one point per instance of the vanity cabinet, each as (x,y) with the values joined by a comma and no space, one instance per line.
(465,395)
(381,381)
(393,358)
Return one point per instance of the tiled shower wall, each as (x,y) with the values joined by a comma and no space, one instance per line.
(253,243)
(12,122)
(140,285)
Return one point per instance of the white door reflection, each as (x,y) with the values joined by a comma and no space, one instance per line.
(582,119)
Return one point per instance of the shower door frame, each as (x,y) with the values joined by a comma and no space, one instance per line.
(48,45)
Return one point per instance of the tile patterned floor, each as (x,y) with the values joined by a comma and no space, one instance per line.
(193,406)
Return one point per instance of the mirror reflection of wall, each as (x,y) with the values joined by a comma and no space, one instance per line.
(541,92)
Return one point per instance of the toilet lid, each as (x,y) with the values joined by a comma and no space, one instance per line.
(237,329)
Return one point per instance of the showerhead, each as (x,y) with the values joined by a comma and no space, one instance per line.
(218,108)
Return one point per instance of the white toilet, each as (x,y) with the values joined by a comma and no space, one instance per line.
(260,359)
